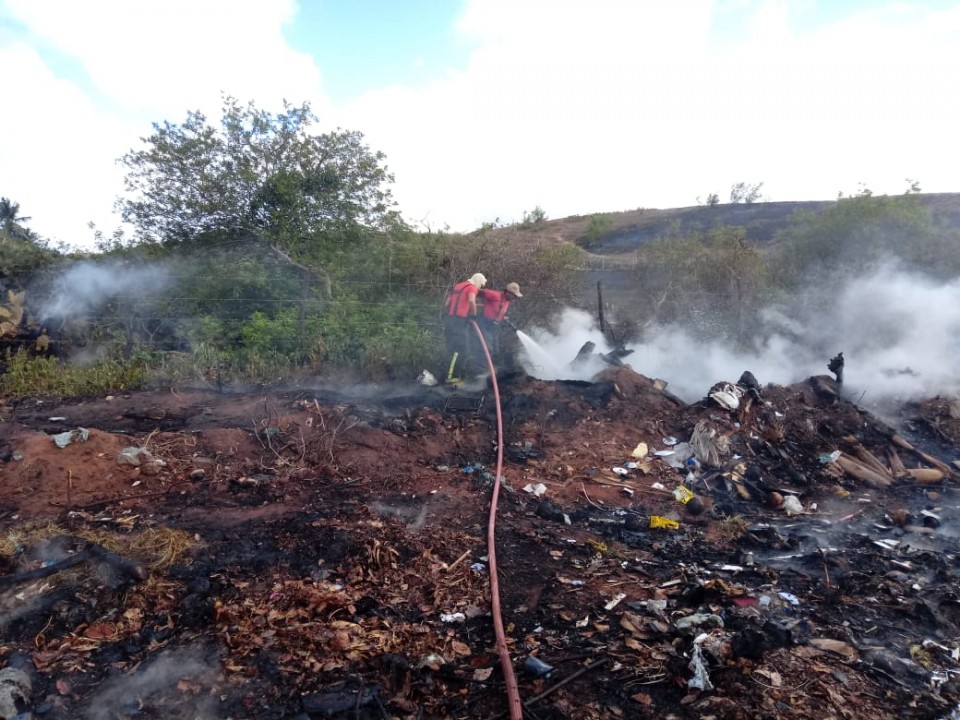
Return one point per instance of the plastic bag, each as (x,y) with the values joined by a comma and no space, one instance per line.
(133,456)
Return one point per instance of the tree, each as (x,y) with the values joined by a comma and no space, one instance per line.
(745,193)
(256,174)
(598,226)
(12,221)
(855,231)
(710,280)
(532,217)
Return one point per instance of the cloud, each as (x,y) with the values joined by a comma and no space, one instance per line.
(58,149)
(631,105)
(152,57)
(577,108)
(91,78)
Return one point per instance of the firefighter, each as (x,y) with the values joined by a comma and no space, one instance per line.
(457,331)
(496,303)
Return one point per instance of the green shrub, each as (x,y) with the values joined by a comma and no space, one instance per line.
(598,226)
(46,376)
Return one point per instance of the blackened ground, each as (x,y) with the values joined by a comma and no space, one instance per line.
(335,560)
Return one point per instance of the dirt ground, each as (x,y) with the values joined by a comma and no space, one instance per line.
(321,552)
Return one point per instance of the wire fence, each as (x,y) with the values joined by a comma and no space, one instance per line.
(165,311)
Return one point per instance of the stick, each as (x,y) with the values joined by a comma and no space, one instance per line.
(862,472)
(553,688)
(77,558)
(925,476)
(896,464)
(943,467)
(108,501)
(569,678)
(900,442)
(588,498)
(456,562)
(91,551)
(632,487)
(869,459)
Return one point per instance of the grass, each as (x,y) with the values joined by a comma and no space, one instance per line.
(157,548)
(28,376)
(733,527)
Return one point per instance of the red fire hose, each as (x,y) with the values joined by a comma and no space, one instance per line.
(513,692)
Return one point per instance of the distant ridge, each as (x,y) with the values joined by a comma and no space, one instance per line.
(625,232)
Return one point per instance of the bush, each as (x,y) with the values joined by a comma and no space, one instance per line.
(532,217)
(598,226)
(46,376)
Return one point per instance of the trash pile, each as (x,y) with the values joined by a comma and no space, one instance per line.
(769,551)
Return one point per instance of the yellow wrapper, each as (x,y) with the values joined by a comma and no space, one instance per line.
(661,522)
(682,494)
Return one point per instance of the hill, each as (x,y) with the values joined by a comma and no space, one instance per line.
(619,233)
(611,242)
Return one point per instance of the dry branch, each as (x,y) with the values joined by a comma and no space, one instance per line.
(91,551)
(859,471)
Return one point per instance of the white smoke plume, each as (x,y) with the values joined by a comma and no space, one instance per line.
(154,685)
(899,332)
(87,286)
(548,354)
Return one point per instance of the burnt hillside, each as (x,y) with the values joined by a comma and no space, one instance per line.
(611,255)
(625,232)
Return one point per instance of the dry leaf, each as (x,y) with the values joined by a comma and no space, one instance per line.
(772,676)
(461,648)
(100,631)
(44,658)
(835,646)
(482,674)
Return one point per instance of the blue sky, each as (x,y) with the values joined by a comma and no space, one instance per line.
(486,109)
(370,43)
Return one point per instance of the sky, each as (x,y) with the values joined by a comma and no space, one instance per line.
(487,109)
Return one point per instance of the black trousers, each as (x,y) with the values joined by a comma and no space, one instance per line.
(461,340)
(491,334)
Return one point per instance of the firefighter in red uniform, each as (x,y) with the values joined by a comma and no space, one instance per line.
(461,309)
(495,306)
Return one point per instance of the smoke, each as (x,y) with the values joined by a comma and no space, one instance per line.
(899,332)
(87,286)
(550,354)
(155,684)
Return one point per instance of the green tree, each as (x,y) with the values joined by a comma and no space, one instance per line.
(256,174)
(713,280)
(22,252)
(746,194)
(12,221)
(533,217)
(856,231)
(598,226)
